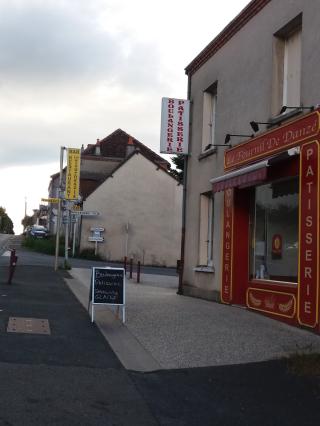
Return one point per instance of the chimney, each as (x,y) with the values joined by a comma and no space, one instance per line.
(130,146)
(97,149)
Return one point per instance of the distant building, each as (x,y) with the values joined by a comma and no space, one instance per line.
(138,200)
(252,228)
(40,215)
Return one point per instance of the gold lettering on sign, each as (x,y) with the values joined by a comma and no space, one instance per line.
(308,231)
(291,134)
(226,287)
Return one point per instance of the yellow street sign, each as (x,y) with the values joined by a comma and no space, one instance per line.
(50,200)
(73,174)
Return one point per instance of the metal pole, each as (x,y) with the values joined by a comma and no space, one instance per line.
(138,272)
(131,267)
(183,227)
(62,148)
(184,203)
(127,238)
(74,237)
(66,237)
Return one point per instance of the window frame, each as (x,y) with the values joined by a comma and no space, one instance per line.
(210,98)
(280,63)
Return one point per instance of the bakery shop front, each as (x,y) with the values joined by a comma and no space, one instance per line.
(270,250)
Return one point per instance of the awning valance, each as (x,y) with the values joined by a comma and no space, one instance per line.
(246,176)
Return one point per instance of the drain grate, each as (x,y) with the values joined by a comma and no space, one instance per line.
(28,325)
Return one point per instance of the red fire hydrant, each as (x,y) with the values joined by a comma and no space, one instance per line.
(13,263)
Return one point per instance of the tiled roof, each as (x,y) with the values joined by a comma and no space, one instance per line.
(117,148)
(116,145)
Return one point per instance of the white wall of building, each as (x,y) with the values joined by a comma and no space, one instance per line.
(144,200)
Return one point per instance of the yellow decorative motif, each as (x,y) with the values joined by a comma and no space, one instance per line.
(269,302)
(254,300)
(285,307)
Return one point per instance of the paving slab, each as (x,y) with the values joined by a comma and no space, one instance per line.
(128,349)
(181,332)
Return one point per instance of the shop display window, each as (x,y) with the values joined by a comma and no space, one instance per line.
(274,231)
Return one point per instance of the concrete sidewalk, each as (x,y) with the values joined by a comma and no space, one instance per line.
(167,331)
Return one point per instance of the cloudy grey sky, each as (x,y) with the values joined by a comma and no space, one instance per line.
(72,71)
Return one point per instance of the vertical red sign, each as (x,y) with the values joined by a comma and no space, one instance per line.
(308,286)
(226,284)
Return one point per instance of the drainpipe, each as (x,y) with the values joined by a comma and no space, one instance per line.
(184,201)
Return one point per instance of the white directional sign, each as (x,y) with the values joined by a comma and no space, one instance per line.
(85,213)
(96,239)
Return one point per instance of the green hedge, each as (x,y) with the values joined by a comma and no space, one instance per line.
(88,254)
(45,245)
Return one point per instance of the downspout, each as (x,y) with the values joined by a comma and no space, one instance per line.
(184,201)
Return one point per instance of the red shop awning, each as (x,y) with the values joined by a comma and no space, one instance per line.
(246,176)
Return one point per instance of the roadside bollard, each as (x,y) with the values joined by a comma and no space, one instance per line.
(138,271)
(131,267)
(12,266)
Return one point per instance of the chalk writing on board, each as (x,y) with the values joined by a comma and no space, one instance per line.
(108,286)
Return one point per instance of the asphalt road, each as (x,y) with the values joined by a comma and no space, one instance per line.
(72,377)
(69,377)
(27,257)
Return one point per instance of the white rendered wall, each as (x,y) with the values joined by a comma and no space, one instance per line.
(146,198)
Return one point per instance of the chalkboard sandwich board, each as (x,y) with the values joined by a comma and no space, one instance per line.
(107,287)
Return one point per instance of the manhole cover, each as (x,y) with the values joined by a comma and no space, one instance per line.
(28,325)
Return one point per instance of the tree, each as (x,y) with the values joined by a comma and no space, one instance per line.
(27,221)
(178,161)
(6,224)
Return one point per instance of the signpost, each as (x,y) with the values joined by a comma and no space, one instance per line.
(62,149)
(107,288)
(73,174)
(71,193)
(96,237)
(174,139)
(85,213)
(50,200)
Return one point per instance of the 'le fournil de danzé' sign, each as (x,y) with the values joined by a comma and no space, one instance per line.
(274,141)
